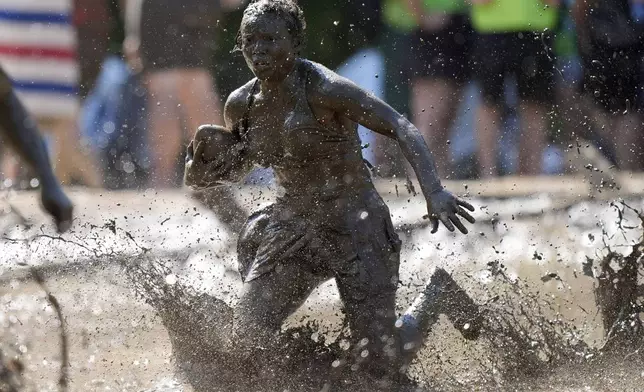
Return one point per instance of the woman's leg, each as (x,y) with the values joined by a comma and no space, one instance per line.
(267,301)
(368,291)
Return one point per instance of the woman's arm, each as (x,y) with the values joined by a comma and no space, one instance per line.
(20,130)
(344,97)
(215,156)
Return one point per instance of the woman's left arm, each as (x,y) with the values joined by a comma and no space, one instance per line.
(344,97)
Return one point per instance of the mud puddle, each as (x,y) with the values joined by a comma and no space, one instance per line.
(118,342)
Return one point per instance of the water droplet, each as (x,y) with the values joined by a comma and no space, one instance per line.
(128,167)
(171,279)
(109,127)
(409,346)
(364,215)
(336,22)
(34,183)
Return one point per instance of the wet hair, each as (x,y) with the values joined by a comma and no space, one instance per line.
(288,10)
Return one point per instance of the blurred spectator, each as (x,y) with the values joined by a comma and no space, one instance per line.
(573,116)
(366,64)
(395,41)
(38,51)
(514,39)
(113,116)
(610,44)
(92,21)
(441,45)
(174,40)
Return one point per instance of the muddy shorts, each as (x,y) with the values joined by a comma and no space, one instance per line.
(357,246)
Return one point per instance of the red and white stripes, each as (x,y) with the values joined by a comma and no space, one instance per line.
(38,52)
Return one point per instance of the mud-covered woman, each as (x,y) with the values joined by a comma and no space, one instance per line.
(300,119)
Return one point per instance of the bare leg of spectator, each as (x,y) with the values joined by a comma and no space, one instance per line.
(9,165)
(628,128)
(71,162)
(434,103)
(164,127)
(199,99)
(487,130)
(534,123)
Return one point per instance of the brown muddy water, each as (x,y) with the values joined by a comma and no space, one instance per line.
(523,261)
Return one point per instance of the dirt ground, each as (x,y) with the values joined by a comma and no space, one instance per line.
(117,343)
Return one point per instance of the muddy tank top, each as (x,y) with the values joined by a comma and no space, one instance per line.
(305,155)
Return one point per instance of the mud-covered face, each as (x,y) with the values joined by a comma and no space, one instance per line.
(267,46)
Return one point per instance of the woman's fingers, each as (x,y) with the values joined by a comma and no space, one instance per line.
(444,217)
(457,222)
(434,222)
(465,204)
(201,146)
(460,211)
(191,151)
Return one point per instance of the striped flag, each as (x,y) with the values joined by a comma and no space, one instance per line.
(38,52)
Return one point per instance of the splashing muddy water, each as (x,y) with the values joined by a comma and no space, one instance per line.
(525,266)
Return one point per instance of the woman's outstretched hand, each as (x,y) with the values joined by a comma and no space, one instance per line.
(445,207)
(57,204)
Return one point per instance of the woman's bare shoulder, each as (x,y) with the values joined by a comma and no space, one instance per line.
(237,103)
(325,84)
(318,74)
